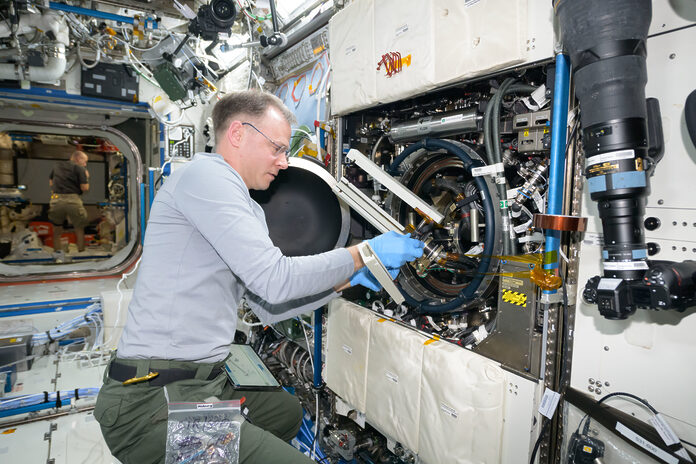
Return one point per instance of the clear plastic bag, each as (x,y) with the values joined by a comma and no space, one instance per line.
(200,433)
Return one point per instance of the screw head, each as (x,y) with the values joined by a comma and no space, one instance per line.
(590,388)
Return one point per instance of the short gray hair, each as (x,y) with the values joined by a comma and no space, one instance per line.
(77,154)
(250,103)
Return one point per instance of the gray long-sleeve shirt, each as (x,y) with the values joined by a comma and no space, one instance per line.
(206,247)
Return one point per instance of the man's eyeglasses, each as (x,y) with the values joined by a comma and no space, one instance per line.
(280,149)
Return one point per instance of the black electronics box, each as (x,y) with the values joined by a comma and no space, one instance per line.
(112,81)
(14,352)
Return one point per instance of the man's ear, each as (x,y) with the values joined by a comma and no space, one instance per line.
(235,133)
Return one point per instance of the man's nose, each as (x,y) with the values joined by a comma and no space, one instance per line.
(283,163)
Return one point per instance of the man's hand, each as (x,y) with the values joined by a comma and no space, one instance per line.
(395,250)
(87,173)
(365,278)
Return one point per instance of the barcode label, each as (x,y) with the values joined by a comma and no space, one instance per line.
(548,403)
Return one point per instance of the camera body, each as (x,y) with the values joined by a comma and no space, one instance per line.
(213,19)
(665,285)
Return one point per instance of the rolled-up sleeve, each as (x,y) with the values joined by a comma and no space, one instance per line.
(220,208)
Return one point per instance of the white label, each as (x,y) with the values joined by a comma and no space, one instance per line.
(522,227)
(363,139)
(500,180)
(351,49)
(682,453)
(608,284)
(448,410)
(391,376)
(539,201)
(185,10)
(401,30)
(131,92)
(549,402)
(535,237)
(539,96)
(665,431)
(453,118)
(348,349)
(123,92)
(359,418)
(645,444)
(99,77)
(204,406)
(625,265)
(99,88)
(487,170)
(511,194)
(594,239)
(611,156)
(475,250)
(89,85)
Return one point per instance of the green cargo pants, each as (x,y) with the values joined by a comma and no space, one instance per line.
(133,418)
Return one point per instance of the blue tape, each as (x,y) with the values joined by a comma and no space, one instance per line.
(639,254)
(57,309)
(631,179)
(597,184)
(50,302)
(149,22)
(605,254)
(26,409)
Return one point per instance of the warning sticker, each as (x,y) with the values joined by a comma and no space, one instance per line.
(515,298)
(602,169)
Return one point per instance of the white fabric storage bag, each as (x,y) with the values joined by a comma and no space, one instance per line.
(462,400)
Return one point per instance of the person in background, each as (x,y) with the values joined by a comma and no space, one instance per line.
(68,181)
(207,247)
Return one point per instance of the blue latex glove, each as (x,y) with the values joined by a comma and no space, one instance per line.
(395,250)
(365,278)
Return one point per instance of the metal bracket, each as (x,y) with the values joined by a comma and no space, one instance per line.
(394,186)
(380,272)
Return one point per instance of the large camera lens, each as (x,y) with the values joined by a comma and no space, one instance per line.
(223,12)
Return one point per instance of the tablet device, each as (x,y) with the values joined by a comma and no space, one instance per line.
(246,370)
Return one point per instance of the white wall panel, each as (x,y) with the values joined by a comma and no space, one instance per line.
(651,353)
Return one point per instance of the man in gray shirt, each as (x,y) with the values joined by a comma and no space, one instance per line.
(206,248)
